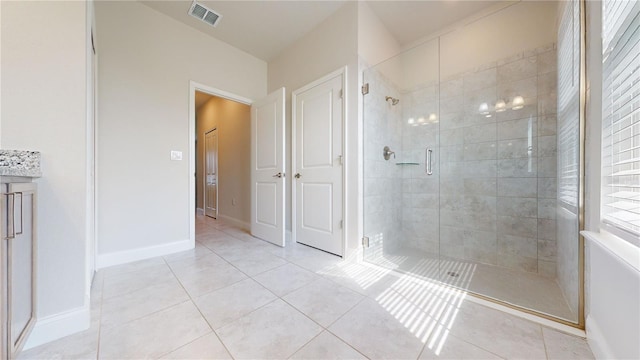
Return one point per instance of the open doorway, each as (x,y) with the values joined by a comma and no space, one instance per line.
(201,99)
(210,158)
(221,163)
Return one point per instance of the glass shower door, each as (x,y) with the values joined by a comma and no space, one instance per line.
(502,145)
(401,187)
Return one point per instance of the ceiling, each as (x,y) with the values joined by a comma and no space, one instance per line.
(408,21)
(265,28)
(262,28)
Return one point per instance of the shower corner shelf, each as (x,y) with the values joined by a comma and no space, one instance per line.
(407,163)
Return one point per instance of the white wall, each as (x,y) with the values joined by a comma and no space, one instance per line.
(146,62)
(525,25)
(497,32)
(330,46)
(375,42)
(44,81)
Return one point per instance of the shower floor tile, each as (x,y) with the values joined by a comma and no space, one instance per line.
(528,290)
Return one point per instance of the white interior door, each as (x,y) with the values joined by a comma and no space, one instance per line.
(267,168)
(211,173)
(317,152)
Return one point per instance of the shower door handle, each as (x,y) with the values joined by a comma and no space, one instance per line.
(427,161)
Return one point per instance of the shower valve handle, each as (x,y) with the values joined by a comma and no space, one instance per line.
(386,153)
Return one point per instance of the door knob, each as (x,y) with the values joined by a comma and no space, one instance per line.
(279,175)
(297,176)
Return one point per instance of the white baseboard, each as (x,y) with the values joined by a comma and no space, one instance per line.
(235,222)
(597,341)
(199,211)
(54,327)
(127,256)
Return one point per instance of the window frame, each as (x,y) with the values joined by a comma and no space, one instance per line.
(605,226)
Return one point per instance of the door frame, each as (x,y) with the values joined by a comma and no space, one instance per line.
(91,135)
(345,156)
(204,195)
(193,87)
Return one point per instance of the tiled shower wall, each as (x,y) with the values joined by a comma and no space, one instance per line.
(496,175)
(420,191)
(382,193)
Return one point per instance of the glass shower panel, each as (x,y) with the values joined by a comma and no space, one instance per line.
(498,146)
(400,132)
(472,159)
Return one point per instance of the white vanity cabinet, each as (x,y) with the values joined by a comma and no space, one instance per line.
(18,259)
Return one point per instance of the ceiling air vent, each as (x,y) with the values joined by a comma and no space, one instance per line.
(204,14)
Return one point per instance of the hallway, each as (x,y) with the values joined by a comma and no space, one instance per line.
(235,296)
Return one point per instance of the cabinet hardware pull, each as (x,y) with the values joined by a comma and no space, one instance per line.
(11,207)
(21,214)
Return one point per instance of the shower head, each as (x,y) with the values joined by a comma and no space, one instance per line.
(394,101)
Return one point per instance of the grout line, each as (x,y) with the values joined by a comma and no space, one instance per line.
(142,288)
(262,272)
(146,315)
(476,345)
(278,297)
(363,295)
(189,343)
(99,319)
(128,272)
(199,311)
(305,344)
(324,328)
(544,342)
(231,264)
(252,311)
(344,341)
(327,277)
(290,291)
(424,345)
(281,298)
(346,312)
(252,277)
(304,314)
(214,290)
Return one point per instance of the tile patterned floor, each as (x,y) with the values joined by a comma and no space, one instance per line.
(235,296)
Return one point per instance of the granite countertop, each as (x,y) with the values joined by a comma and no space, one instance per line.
(20,163)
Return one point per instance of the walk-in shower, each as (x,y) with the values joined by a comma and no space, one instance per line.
(483,191)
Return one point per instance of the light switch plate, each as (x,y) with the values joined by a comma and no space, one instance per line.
(176,155)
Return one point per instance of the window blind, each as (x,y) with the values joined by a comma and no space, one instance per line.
(621,117)
(569,105)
